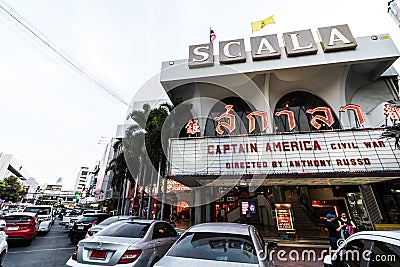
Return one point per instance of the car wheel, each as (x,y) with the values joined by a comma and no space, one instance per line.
(73,240)
(28,242)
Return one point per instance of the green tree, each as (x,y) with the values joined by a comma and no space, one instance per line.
(11,189)
(118,166)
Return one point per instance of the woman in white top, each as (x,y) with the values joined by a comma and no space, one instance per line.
(347,230)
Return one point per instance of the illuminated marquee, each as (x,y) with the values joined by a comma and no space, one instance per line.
(315,152)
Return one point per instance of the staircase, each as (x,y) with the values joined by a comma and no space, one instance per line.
(304,225)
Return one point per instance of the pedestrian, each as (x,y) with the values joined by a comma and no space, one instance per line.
(172,219)
(223,214)
(248,215)
(219,219)
(333,230)
(348,227)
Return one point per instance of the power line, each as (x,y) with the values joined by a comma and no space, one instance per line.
(67,59)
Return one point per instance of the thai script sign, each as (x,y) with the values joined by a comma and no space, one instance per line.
(320,115)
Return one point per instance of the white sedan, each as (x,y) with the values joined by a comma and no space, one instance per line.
(218,244)
(126,243)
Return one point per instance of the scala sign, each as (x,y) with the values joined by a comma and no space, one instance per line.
(333,38)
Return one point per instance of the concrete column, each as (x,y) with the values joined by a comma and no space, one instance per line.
(208,208)
(197,209)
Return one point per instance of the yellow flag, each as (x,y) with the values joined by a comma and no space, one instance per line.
(258,25)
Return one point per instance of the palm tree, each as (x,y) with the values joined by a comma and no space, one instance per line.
(143,145)
(120,172)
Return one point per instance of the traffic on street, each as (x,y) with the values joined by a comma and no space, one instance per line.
(52,249)
(275,144)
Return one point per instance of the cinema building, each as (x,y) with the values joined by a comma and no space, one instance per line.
(301,126)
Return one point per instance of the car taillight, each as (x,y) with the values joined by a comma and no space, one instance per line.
(75,253)
(130,256)
(94,222)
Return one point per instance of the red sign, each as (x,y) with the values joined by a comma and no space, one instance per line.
(284,219)
(322,114)
(192,127)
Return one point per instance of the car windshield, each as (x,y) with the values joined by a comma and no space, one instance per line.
(42,210)
(73,213)
(131,230)
(215,246)
(16,219)
(111,220)
(87,219)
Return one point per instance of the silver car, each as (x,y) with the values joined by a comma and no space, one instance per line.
(218,244)
(126,243)
(98,227)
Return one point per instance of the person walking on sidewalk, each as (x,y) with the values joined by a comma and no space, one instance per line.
(248,215)
(333,229)
(347,226)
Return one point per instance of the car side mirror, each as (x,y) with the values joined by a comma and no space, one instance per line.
(2,224)
(272,245)
(328,261)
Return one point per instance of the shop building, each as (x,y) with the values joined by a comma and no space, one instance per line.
(298,125)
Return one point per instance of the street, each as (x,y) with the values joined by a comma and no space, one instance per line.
(53,249)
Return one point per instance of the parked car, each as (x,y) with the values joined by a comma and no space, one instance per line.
(92,211)
(81,226)
(367,248)
(22,226)
(68,216)
(96,228)
(72,221)
(219,244)
(62,212)
(45,215)
(3,242)
(126,243)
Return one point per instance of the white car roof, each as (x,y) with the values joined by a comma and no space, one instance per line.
(228,228)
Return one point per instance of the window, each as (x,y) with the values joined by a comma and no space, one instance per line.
(130,230)
(216,246)
(87,219)
(43,210)
(384,255)
(163,230)
(112,220)
(299,102)
(18,219)
(240,109)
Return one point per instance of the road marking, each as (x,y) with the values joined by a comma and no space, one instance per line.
(38,250)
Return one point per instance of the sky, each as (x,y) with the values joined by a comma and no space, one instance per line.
(53,118)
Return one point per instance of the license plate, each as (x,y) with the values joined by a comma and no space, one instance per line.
(12,228)
(80,227)
(98,254)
